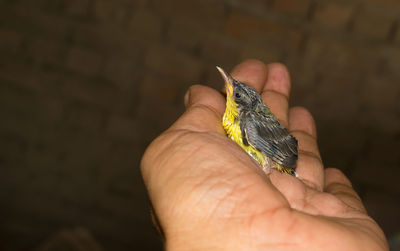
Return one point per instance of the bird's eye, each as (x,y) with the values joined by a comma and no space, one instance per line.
(237,95)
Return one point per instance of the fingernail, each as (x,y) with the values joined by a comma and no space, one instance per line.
(186,98)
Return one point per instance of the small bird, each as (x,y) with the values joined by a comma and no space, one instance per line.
(251,124)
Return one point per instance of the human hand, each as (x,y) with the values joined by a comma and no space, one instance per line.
(207,193)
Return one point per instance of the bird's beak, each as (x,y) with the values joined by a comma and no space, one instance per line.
(228,81)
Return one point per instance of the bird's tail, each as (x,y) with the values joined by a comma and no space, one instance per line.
(288,170)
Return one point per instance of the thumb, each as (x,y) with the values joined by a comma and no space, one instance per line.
(204,109)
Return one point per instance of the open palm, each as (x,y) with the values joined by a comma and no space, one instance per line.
(207,193)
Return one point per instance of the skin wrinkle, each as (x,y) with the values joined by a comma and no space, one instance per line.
(214,111)
(204,195)
(182,134)
(291,228)
(335,184)
(311,155)
(198,107)
(306,134)
(221,201)
(306,141)
(301,201)
(368,231)
(173,149)
(349,197)
(176,146)
(342,189)
(171,136)
(279,94)
(283,118)
(343,229)
(311,184)
(353,205)
(302,120)
(265,212)
(293,223)
(166,136)
(352,227)
(195,128)
(318,210)
(213,160)
(335,175)
(279,75)
(197,149)
(270,214)
(346,208)
(355,208)
(338,215)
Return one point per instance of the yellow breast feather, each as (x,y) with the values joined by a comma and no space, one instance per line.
(231,125)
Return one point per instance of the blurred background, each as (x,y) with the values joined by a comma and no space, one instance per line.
(85,85)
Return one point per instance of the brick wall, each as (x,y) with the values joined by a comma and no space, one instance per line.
(79,77)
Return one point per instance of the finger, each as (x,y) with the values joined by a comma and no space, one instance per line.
(302,124)
(252,72)
(309,163)
(301,118)
(275,92)
(293,189)
(338,184)
(204,109)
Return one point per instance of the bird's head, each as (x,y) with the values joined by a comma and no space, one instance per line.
(241,95)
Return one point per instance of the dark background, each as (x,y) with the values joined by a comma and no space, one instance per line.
(85,85)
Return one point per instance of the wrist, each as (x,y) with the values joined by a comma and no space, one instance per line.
(209,236)
(192,239)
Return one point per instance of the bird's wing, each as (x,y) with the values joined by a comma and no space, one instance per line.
(266,134)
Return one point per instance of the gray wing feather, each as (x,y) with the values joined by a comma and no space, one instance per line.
(266,134)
